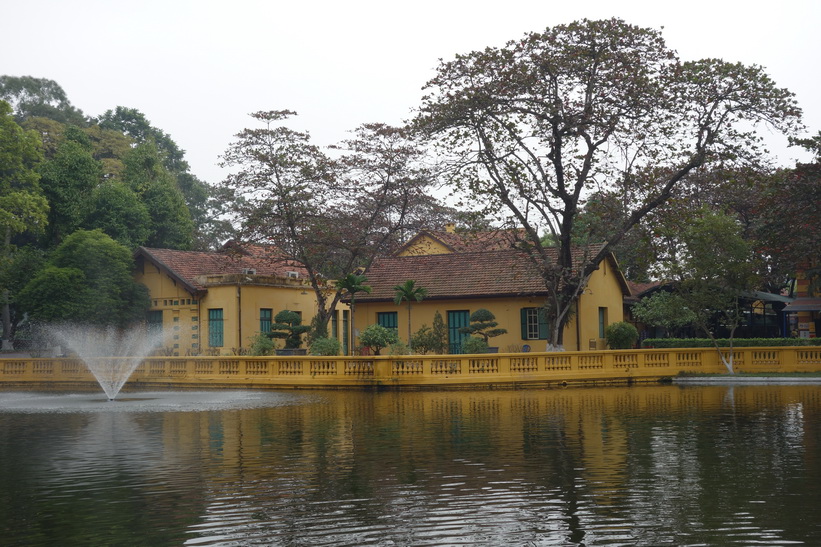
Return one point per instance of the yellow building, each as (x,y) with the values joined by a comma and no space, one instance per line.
(215,302)
(460,279)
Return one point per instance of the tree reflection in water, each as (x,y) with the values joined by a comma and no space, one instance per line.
(645,465)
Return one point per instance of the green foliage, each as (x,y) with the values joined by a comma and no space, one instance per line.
(399,348)
(288,326)
(483,324)
(22,204)
(118,211)
(39,97)
(318,330)
(171,226)
(664,309)
(664,343)
(325,346)
(409,292)
(621,335)
(89,280)
(431,340)
(377,337)
(262,344)
(67,181)
(439,335)
(474,345)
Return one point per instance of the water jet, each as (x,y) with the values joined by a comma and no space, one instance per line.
(111,354)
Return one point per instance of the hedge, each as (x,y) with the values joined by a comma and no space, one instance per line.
(723,342)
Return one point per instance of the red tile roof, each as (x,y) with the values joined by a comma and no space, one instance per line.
(186,266)
(458,275)
(463,275)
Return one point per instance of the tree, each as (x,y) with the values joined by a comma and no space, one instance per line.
(88,279)
(665,309)
(16,269)
(118,211)
(171,225)
(533,127)
(434,339)
(23,208)
(409,292)
(439,334)
(31,97)
(483,325)
(67,181)
(331,216)
(377,337)
(288,326)
(203,201)
(716,268)
(790,205)
(350,285)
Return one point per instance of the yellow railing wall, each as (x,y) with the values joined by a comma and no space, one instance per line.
(412,371)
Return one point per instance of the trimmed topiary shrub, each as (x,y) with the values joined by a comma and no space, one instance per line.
(621,335)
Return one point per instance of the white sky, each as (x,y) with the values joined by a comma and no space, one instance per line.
(196,69)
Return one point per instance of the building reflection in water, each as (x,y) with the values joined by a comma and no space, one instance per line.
(643,465)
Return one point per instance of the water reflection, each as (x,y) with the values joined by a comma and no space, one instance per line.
(649,465)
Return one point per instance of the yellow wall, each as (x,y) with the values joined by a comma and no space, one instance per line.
(424,245)
(603,291)
(185,319)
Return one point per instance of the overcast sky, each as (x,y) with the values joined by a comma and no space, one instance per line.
(196,69)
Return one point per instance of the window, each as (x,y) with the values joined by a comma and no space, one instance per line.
(215,328)
(154,321)
(534,324)
(602,321)
(388,319)
(266,316)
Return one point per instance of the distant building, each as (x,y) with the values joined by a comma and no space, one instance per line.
(466,272)
(215,302)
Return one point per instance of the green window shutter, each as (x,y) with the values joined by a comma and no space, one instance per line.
(543,334)
(388,319)
(523,316)
(215,328)
(265,319)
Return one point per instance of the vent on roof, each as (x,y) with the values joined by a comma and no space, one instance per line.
(249,271)
(293,275)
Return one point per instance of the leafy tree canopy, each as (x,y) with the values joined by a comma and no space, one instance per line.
(532,128)
(88,279)
(31,97)
(331,215)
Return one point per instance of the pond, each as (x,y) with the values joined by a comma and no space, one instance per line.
(643,465)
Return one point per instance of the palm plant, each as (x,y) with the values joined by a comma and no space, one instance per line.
(410,292)
(352,284)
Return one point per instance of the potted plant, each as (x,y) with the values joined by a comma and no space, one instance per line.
(288,326)
(483,324)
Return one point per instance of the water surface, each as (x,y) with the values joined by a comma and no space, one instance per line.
(645,465)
